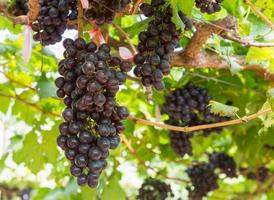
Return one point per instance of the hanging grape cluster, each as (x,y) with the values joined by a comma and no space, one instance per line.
(156,44)
(188,106)
(90,78)
(203,177)
(224,162)
(104,11)
(209,6)
(52,20)
(153,189)
(203,180)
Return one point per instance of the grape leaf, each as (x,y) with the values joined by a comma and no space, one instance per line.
(222,109)
(45,87)
(270,95)
(113,188)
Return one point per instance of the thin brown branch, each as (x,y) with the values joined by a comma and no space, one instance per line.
(141,162)
(12,80)
(203,33)
(259,14)
(33,105)
(125,36)
(80,20)
(135,7)
(193,57)
(244,119)
(248,42)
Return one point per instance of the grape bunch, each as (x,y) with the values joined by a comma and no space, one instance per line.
(21,7)
(224,162)
(203,180)
(209,6)
(90,78)
(103,11)
(188,106)
(153,189)
(156,43)
(52,20)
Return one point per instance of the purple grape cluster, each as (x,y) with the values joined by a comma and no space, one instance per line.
(209,6)
(154,189)
(224,162)
(203,180)
(188,106)
(90,78)
(52,20)
(104,11)
(156,43)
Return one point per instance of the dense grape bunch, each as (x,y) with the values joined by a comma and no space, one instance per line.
(209,6)
(203,180)
(224,162)
(153,189)
(188,106)
(156,43)
(90,78)
(52,20)
(103,11)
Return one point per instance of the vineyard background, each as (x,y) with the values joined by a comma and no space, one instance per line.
(235,64)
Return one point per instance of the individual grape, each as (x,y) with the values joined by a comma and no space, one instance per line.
(82,180)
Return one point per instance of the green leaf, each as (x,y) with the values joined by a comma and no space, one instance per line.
(137,27)
(113,188)
(88,193)
(270,95)
(45,87)
(222,109)
(175,17)
(186,6)
(30,154)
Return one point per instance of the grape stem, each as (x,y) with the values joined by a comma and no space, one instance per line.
(80,20)
(259,14)
(125,35)
(134,154)
(241,120)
